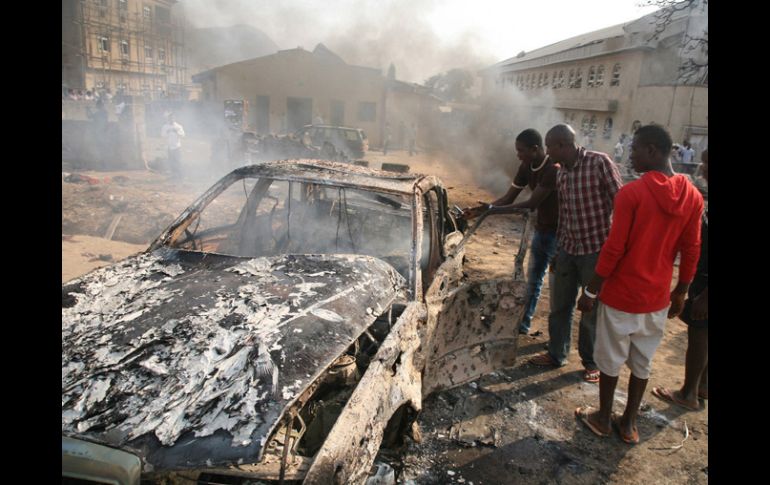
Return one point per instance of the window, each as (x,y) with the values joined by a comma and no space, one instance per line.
(540,80)
(599,76)
(104,43)
(571,81)
(545,80)
(124,48)
(147,12)
(162,15)
(123,4)
(593,126)
(615,75)
(578,78)
(585,126)
(148,52)
(591,77)
(561,80)
(162,55)
(607,133)
(554,84)
(367,111)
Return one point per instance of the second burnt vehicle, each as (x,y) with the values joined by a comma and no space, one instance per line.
(350,141)
(282,329)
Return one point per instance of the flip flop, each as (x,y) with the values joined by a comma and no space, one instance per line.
(631,439)
(665,395)
(582,415)
(591,375)
(544,360)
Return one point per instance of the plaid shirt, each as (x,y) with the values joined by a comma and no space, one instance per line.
(586,193)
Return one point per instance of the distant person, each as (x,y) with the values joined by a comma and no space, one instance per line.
(99,132)
(686,152)
(586,184)
(537,171)
(173,133)
(618,152)
(387,139)
(412,139)
(696,316)
(654,218)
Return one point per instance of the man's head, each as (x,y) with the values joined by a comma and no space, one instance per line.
(170,117)
(650,148)
(560,143)
(686,144)
(529,146)
(704,168)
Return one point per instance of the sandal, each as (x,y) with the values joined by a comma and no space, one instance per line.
(631,439)
(544,360)
(591,375)
(666,395)
(582,415)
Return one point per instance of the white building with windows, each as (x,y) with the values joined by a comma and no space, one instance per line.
(611,81)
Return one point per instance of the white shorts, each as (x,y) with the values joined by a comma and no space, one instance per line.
(627,338)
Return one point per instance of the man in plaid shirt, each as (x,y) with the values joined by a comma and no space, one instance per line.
(586,186)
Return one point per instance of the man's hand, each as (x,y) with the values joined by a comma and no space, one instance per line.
(677,304)
(472,212)
(586,303)
(700,307)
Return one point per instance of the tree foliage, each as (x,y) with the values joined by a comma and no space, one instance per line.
(453,85)
(695,42)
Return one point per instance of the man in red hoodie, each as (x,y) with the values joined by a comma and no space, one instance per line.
(654,218)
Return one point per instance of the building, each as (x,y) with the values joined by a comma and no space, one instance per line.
(611,81)
(132,47)
(295,87)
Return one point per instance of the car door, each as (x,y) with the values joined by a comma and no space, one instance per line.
(472,325)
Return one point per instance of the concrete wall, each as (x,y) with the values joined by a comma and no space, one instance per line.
(112,145)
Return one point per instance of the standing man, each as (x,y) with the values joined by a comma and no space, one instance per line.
(655,218)
(696,316)
(386,139)
(173,133)
(538,171)
(586,185)
(412,139)
(686,152)
(618,154)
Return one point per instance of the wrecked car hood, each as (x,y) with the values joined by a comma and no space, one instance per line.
(189,359)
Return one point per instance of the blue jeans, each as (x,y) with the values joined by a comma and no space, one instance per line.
(571,273)
(543,249)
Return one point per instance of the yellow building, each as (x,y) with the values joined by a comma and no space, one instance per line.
(133,47)
(608,82)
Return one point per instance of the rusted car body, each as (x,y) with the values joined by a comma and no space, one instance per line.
(287,342)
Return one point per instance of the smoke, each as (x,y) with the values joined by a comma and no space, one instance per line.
(372,34)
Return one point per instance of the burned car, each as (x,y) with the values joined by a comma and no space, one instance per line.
(282,327)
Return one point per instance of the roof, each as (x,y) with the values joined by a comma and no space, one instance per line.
(334,173)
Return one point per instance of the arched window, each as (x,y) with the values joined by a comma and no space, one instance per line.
(599,76)
(585,126)
(571,81)
(553,81)
(615,75)
(591,77)
(594,126)
(561,79)
(545,79)
(578,78)
(540,80)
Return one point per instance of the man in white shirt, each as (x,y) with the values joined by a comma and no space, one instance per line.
(686,152)
(173,133)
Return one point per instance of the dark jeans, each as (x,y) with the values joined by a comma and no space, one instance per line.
(175,161)
(572,272)
(543,249)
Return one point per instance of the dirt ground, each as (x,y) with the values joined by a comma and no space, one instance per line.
(514,426)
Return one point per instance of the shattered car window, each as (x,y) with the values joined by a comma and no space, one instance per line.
(266,217)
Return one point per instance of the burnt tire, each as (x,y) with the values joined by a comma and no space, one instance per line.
(395,167)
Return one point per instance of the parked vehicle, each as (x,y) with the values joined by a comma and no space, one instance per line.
(350,141)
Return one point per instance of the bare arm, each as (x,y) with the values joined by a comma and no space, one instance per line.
(538,196)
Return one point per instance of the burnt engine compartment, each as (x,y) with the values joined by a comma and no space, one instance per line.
(307,423)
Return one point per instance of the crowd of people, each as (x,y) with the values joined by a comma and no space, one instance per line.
(611,249)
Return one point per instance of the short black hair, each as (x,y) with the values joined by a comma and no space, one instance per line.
(530,138)
(656,136)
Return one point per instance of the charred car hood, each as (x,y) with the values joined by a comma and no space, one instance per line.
(189,359)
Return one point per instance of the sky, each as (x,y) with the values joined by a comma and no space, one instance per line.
(420,37)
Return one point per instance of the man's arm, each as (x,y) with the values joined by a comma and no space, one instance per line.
(537,198)
(613,249)
(519,182)
(689,248)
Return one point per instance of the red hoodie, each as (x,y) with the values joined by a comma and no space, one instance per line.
(654,218)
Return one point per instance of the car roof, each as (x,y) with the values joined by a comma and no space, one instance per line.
(333,126)
(336,173)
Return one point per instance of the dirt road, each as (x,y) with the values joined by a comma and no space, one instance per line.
(515,426)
